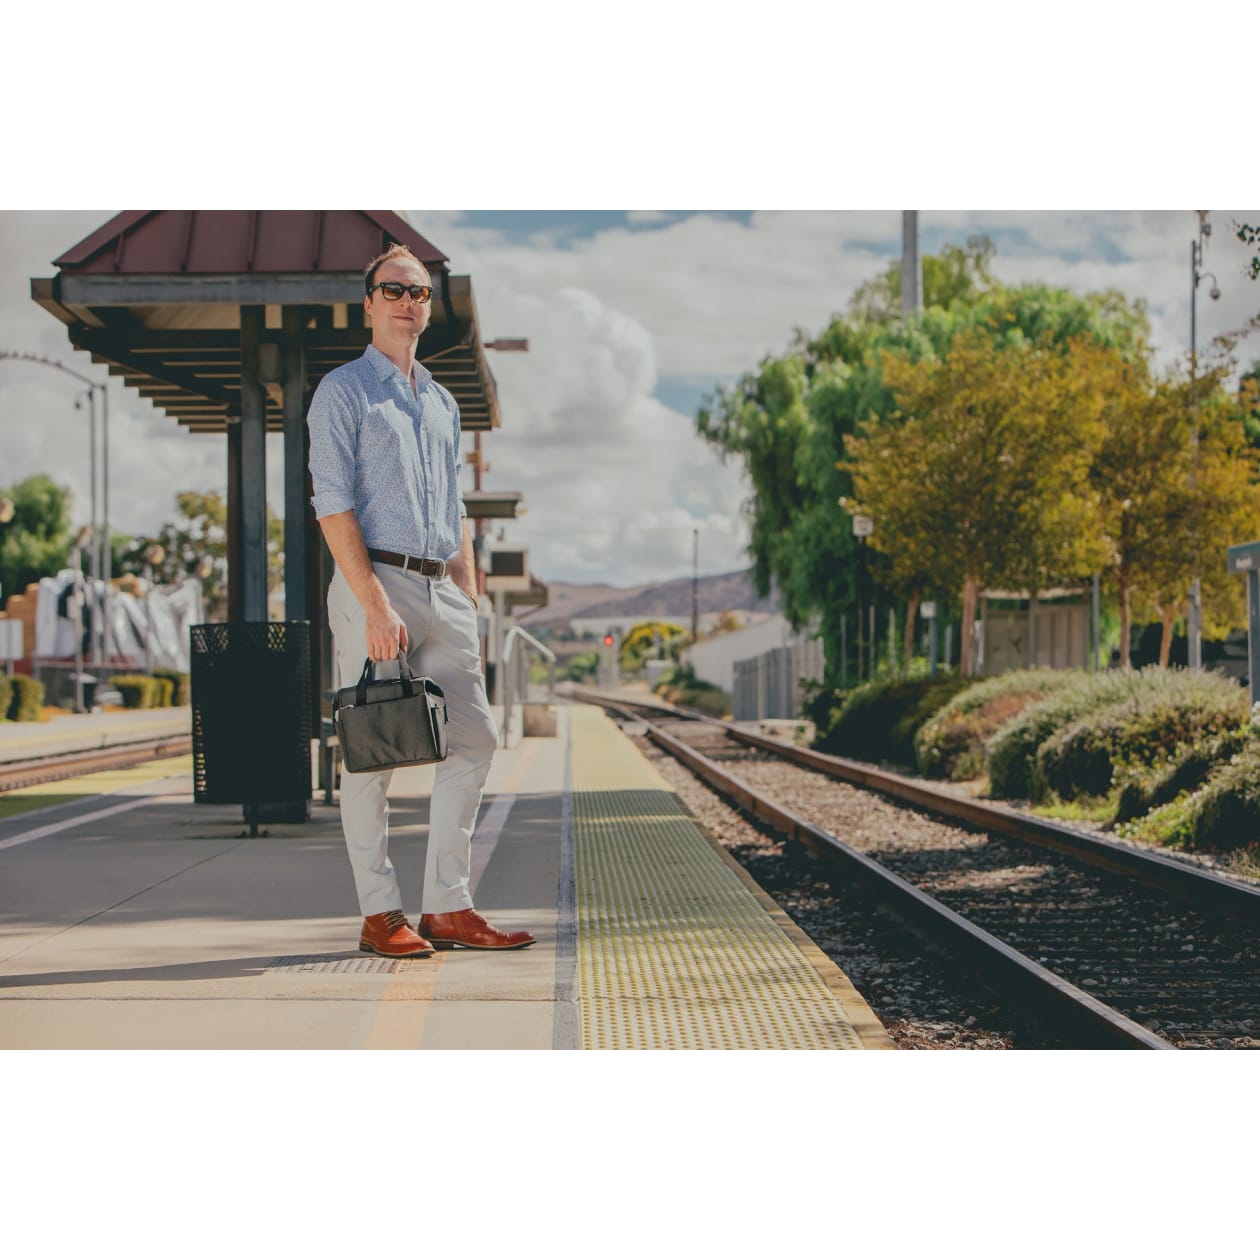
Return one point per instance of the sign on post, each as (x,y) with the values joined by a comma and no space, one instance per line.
(1245,558)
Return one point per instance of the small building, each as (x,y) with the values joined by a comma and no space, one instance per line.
(1022,631)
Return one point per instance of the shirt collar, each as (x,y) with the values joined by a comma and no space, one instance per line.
(384,365)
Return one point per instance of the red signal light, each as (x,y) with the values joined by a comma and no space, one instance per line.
(608,640)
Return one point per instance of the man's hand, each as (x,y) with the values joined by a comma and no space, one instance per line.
(385,634)
(461,568)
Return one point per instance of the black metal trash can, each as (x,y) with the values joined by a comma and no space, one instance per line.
(251,717)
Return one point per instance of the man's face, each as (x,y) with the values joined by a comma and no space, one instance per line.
(404,318)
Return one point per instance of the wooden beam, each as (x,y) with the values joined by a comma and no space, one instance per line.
(257,289)
(106,349)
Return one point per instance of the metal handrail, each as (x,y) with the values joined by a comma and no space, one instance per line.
(516,676)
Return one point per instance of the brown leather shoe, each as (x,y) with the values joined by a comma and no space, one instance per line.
(390,935)
(469,929)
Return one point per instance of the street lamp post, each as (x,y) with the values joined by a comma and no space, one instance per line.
(102,566)
(863,527)
(81,540)
(1195,619)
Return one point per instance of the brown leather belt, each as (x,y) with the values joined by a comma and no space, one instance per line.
(410,564)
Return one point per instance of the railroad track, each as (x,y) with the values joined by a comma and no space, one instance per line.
(1108,944)
(20,774)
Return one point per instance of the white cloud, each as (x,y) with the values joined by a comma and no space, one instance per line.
(614,480)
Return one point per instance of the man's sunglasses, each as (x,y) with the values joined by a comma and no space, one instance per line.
(394,291)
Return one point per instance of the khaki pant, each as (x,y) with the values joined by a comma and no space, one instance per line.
(442,644)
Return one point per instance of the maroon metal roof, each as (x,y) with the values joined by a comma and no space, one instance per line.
(238,242)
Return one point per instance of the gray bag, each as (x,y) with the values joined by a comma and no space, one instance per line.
(391,722)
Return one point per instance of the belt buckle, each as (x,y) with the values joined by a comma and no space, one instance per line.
(442,568)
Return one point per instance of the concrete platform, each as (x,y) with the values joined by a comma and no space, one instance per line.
(138,919)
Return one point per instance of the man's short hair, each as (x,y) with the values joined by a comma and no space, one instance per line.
(394,251)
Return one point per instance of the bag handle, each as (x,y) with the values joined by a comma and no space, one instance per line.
(404,674)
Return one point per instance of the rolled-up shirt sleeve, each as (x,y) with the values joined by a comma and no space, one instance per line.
(333,424)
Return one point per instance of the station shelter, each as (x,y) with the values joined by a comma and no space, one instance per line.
(226,321)
(1047,629)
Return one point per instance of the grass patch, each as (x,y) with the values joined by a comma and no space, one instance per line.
(1089,809)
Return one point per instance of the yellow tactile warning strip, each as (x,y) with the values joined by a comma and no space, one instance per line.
(674,951)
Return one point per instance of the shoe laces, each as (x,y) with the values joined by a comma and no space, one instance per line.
(395,919)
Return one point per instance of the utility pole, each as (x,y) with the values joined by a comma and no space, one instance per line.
(1194,627)
(911,266)
(695,585)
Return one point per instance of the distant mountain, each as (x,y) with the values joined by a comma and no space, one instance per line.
(672,599)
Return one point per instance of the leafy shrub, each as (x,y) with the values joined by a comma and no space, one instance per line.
(1081,759)
(951,743)
(6,696)
(164,690)
(877,720)
(1144,788)
(139,691)
(1223,814)
(179,685)
(681,687)
(1014,770)
(706,698)
(580,668)
(642,640)
(26,704)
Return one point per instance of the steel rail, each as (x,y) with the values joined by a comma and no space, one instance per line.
(19,774)
(1202,888)
(1096,1025)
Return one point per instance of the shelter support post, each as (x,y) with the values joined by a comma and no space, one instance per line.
(295,523)
(253,474)
(235,564)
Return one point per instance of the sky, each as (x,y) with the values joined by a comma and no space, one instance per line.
(633,319)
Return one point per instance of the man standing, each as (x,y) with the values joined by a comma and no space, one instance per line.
(385,468)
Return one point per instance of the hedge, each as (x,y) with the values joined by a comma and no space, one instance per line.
(1223,814)
(6,696)
(1145,788)
(877,720)
(179,685)
(1015,772)
(26,704)
(951,743)
(680,686)
(139,691)
(1081,760)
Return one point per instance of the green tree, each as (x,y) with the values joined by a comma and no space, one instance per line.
(644,639)
(1249,401)
(1249,235)
(1173,477)
(35,543)
(195,545)
(954,275)
(985,481)
(1213,502)
(788,420)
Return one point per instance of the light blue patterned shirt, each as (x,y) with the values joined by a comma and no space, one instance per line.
(390,455)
